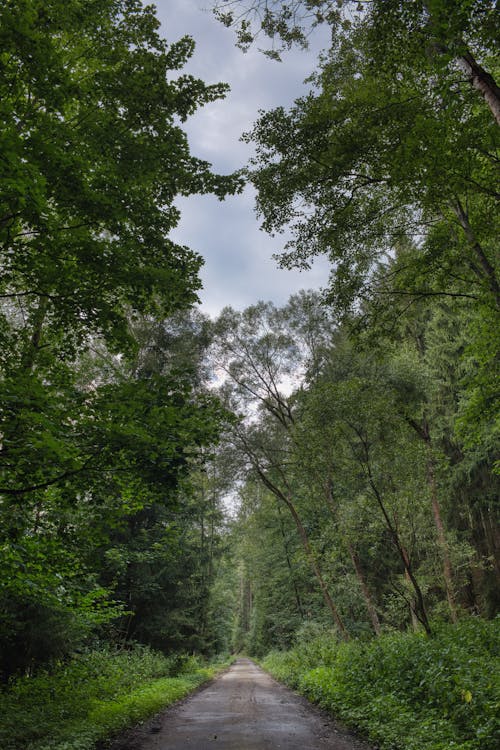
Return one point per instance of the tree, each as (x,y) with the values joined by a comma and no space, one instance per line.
(120,531)
(276,579)
(447,30)
(358,446)
(360,178)
(395,145)
(258,352)
(389,166)
(93,158)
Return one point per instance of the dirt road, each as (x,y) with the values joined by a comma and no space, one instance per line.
(244,709)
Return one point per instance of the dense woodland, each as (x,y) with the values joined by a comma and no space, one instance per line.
(328,469)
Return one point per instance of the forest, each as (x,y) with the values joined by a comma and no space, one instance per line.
(314,484)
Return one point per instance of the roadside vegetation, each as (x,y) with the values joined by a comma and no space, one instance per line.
(404,690)
(95,695)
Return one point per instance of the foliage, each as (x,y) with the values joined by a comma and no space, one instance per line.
(359,177)
(103,410)
(92,103)
(405,690)
(276,589)
(124,530)
(353,435)
(93,696)
(387,166)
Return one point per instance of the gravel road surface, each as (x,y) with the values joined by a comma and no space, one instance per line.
(244,709)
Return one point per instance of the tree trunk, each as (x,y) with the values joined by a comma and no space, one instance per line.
(289,564)
(491,537)
(482,81)
(443,544)
(364,588)
(314,564)
(487,270)
(423,431)
(370,606)
(413,614)
(311,557)
(419,610)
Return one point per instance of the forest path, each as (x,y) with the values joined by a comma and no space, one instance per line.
(244,709)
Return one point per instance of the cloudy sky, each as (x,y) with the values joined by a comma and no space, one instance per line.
(239,268)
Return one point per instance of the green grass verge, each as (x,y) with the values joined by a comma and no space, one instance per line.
(94,697)
(406,691)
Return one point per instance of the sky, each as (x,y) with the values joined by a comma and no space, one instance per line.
(239,268)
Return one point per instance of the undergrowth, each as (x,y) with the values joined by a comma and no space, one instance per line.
(94,696)
(406,691)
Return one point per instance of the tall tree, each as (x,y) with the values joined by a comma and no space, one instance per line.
(93,157)
(395,144)
(447,30)
(358,178)
(259,354)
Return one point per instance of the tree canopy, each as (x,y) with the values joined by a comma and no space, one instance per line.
(98,435)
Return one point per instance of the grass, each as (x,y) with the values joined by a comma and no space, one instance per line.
(93,697)
(405,691)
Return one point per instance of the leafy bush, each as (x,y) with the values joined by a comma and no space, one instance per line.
(93,696)
(406,690)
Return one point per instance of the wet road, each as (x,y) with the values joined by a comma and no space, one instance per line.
(244,709)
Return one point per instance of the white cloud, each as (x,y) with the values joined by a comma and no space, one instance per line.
(239,268)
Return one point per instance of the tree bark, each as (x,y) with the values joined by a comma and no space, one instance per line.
(364,588)
(370,606)
(413,614)
(423,431)
(491,537)
(419,610)
(289,564)
(443,544)
(487,270)
(311,557)
(482,81)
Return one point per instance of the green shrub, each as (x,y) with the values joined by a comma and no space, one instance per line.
(406,690)
(93,696)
